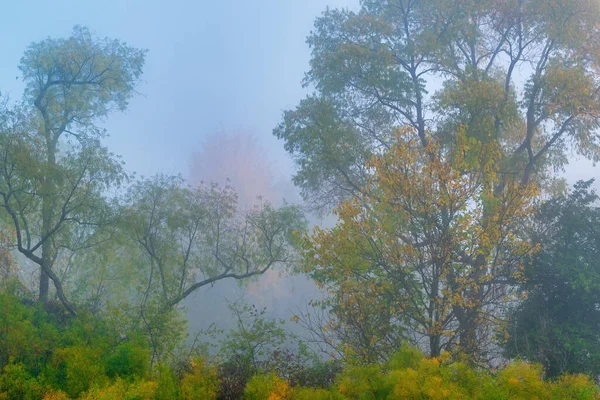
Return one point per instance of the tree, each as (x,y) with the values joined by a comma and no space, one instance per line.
(193,237)
(55,171)
(522,75)
(81,174)
(254,338)
(402,262)
(523,72)
(239,160)
(180,239)
(557,325)
(8,268)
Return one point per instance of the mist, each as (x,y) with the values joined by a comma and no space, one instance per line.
(260,199)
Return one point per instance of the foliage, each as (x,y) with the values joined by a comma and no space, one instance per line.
(557,325)
(516,87)
(363,382)
(432,378)
(17,383)
(120,389)
(413,251)
(85,362)
(76,369)
(301,369)
(179,239)
(168,384)
(192,237)
(254,338)
(42,351)
(201,383)
(522,73)
(248,348)
(128,360)
(55,171)
(436,230)
(267,387)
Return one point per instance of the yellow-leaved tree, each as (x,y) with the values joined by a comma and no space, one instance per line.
(425,252)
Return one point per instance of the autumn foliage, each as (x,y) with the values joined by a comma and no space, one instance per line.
(429,244)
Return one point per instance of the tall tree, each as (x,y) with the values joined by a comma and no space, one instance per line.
(522,74)
(55,170)
(557,325)
(402,263)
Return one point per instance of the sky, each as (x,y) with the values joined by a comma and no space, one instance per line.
(212,66)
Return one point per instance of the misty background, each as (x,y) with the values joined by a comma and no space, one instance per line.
(217,77)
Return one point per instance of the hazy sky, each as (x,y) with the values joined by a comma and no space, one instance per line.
(221,65)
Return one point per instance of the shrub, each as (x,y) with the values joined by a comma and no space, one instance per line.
(267,386)
(301,370)
(363,383)
(576,387)
(123,390)
(76,369)
(518,380)
(26,336)
(315,394)
(128,360)
(201,383)
(168,385)
(56,395)
(17,383)
(429,380)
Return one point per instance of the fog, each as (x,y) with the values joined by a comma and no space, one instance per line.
(217,77)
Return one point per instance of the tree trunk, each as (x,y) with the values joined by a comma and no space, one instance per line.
(47,211)
(434,346)
(44,286)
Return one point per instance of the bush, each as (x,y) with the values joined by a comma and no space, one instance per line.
(123,390)
(26,335)
(76,369)
(56,395)
(301,370)
(577,387)
(315,394)
(128,360)
(269,386)
(17,383)
(168,385)
(363,383)
(519,380)
(201,383)
(52,358)
(233,376)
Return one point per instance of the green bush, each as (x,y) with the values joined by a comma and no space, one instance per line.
(128,360)
(576,387)
(363,383)
(17,383)
(76,369)
(168,384)
(44,355)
